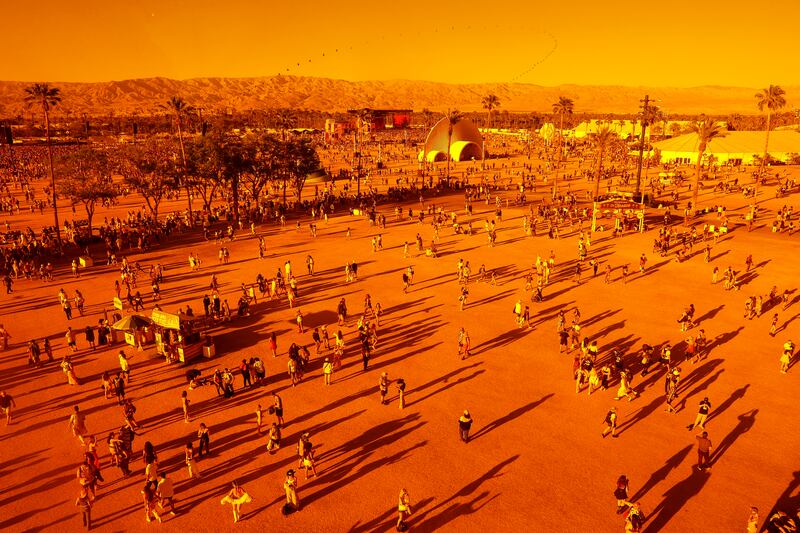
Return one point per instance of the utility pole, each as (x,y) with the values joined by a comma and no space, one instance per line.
(644,121)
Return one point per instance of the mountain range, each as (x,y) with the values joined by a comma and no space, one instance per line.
(144,96)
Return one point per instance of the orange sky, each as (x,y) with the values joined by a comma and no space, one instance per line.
(675,43)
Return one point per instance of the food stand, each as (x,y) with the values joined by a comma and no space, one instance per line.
(178,338)
(138,329)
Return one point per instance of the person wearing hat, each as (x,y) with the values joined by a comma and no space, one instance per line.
(611,423)
(383,386)
(327,371)
(702,415)
(464,425)
(290,488)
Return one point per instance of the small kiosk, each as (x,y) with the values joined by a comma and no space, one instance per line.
(178,337)
(138,330)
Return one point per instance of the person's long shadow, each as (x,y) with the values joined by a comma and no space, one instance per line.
(661,474)
(641,414)
(428,521)
(735,395)
(674,499)
(516,413)
(746,421)
(787,501)
(708,315)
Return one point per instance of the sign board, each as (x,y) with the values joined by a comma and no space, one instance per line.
(118,303)
(165,320)
(619,204)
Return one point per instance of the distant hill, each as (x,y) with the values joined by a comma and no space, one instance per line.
(218,94)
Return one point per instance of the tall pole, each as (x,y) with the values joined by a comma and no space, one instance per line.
(644,121)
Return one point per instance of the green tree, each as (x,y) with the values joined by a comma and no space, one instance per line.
(771,99)
(490,102)
(564,106)
(152,169)
(706,131)
(268,152)
(87,179)
(453,117)
(285,119)
(47,97)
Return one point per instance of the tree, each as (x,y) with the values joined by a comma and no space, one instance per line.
(772,99)
(706,131)
(453,117)
(203,168)
(47,97)
(428,114)
(88,179)
(152,169)
(285,119)
(180,108)
(300,160)
(268,152)
(675,129)
(564,106)
(602,142)
(490,102)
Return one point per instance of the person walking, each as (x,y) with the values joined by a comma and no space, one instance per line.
(188,453)
(621,494)
(277,407)
(69,370)
(464,425)
(150,498)
(403,510)
(610,422)
(237,497)
(383,386)
(401,389)
(166,493)
(84,503)
(185,406)
(70,338)
(205,440)
(4,336)
(702,415)
(703,451)
(786,356)
(6,403)
(273,439)
(290,490)
(327,371)
(124,365)
(753,520)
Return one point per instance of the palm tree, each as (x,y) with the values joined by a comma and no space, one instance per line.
(285,120)
(46,96)
(364,117)
(602,143)
(773,100)
(490,102)
(564,106)
(178,105)
(453,117)
(706,131)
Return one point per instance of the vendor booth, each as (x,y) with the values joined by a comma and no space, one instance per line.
(178,337)
(138,330)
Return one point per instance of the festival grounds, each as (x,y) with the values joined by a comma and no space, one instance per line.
(536,460)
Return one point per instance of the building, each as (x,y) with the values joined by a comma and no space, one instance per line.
(466,142)
(736,148)
(384,119)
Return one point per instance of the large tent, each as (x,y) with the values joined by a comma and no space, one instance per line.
(466,142)
(736,147)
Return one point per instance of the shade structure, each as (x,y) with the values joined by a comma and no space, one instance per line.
(739,147)
(466,142)
(131,322)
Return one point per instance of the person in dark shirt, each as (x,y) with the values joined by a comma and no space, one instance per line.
(703,451)
(702,415)
(464,425)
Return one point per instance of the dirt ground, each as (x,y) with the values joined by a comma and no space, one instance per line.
(536,459)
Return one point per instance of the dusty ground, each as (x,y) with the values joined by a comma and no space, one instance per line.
(536,460)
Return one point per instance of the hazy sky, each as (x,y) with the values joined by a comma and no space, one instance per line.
(623,42)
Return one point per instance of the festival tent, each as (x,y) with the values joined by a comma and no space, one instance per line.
(736,147)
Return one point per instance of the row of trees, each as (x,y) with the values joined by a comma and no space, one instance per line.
(203,165)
